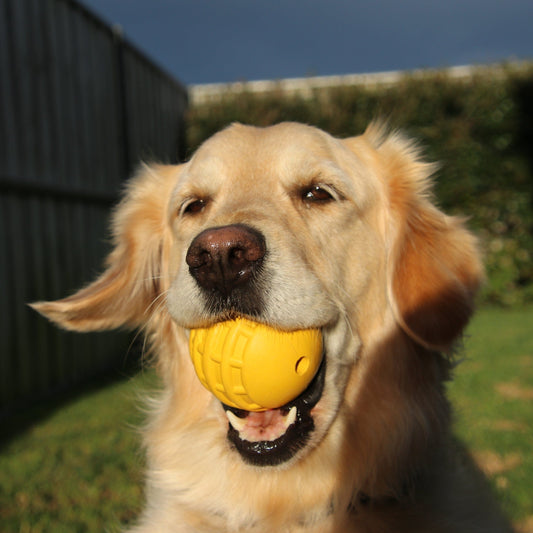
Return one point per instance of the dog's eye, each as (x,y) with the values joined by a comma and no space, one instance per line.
(316,194)
(193,207)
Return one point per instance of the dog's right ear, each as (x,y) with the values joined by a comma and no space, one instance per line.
(125,293)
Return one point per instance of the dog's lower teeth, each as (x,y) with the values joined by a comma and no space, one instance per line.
(249,432)
(291,417)
(235,421)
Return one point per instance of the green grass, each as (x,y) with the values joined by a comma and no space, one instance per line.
(79,467)
(493,398)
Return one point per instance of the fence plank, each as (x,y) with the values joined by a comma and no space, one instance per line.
(79,107)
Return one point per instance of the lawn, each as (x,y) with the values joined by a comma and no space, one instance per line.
(79,467)
(493,398)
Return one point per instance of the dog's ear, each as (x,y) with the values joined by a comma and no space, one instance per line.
(126,291)
(434,266)
(435,277)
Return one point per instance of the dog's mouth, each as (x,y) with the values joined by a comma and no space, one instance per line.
(272,437)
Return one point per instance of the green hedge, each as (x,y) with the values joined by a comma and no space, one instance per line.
(479,129)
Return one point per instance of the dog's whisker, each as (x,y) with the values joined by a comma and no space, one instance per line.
(159,300)
(154,278)
(138,333)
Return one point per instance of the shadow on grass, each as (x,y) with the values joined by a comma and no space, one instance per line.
(483,488)
(15,423)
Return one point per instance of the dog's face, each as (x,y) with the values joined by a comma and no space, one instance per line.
(260,223)
(292,228)
(290,204)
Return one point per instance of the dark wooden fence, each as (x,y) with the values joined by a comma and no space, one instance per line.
(79,107)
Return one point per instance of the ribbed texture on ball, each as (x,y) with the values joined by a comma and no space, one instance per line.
(254,367)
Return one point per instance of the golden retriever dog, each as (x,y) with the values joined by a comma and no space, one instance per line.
(293,228)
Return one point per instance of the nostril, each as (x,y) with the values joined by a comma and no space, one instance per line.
(239,258)
(197,257)
(236,254)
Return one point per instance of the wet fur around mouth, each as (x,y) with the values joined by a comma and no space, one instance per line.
(282,449)
(239,303)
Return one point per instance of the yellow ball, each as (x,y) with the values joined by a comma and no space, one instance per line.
(254,367)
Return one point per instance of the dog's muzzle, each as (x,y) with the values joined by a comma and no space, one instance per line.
(286,430)
(226,263)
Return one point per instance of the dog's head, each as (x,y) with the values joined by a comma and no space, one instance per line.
(293,228)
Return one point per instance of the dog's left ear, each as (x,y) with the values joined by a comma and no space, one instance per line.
(124,294)
(435,268)
(436,272)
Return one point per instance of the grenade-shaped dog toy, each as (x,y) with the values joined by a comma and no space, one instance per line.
(252,366)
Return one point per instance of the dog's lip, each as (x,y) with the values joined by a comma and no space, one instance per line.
(231,314)
(294,426)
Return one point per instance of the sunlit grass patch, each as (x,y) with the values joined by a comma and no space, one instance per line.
(78,469)
(492,393)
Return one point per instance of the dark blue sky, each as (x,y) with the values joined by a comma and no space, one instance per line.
(205,41)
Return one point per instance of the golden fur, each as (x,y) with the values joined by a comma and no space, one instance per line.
(388,277)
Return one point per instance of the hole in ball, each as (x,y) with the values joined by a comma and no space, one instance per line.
(302,365)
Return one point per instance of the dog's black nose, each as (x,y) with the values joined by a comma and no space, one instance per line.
(223,258)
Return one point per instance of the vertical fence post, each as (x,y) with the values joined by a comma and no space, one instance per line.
(122,103)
